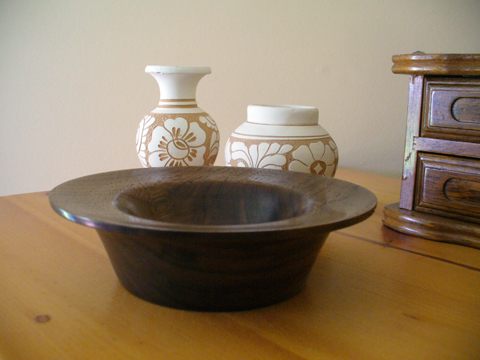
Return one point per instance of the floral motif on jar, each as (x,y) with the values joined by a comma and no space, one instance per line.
(319,158)
(262,155)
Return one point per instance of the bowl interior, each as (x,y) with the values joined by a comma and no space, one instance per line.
(213,202)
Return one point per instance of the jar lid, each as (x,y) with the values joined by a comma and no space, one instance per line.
(282,115)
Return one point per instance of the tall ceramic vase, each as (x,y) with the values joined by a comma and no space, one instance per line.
(285,138)
(177,132)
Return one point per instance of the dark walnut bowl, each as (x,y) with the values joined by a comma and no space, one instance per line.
(212,238)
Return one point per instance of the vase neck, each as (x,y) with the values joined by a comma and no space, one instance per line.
(177,90)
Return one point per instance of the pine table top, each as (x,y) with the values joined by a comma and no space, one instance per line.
(373,294)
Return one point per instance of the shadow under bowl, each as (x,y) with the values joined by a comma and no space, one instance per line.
(212,238)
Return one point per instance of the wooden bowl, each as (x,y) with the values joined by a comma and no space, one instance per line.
(212,238)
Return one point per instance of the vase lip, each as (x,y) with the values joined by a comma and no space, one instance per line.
(282,114)
(160,69)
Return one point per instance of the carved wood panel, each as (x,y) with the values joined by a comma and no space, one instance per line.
(448,186)
(452,109)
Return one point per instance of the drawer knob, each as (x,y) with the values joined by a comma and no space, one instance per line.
(462,191)
(466,109)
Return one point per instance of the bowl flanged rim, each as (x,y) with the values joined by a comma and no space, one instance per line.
(89,200)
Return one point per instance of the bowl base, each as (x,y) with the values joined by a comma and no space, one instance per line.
(167,273)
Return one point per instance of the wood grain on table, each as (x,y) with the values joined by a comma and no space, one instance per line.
(372,294)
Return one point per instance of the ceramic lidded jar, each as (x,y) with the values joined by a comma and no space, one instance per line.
(177,132)
(284,137)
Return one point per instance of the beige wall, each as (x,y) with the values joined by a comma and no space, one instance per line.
(73,87)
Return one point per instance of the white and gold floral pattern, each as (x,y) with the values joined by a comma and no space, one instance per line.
(318,156)
(177,140)
(213,148)
(177,143)
(142,138)
(263,155)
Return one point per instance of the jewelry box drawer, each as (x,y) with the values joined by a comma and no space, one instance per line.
(452,109)
(448,186)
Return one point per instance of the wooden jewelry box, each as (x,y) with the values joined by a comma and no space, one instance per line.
(440,194)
